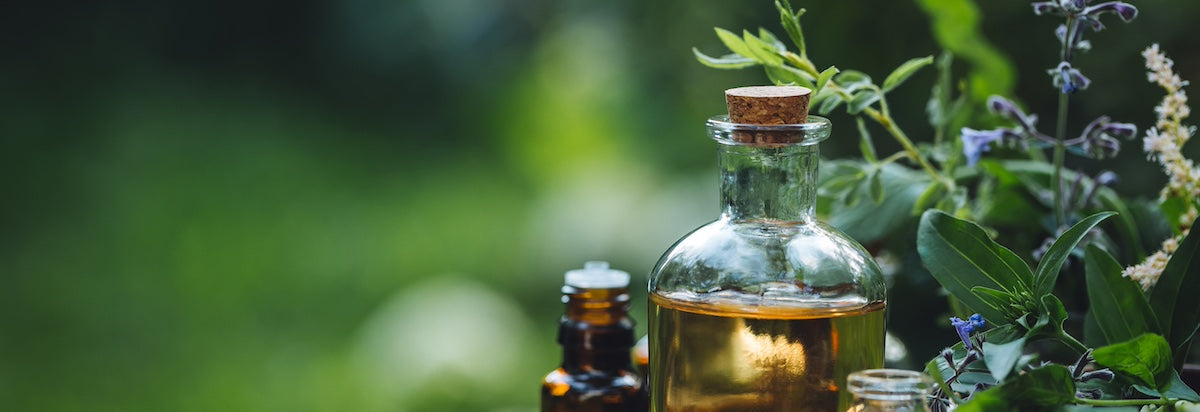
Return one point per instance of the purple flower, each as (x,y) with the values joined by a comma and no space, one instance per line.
(975,142)
(1126,11)
(965,327)
(1068,78)
(1100,137)
(1010,111)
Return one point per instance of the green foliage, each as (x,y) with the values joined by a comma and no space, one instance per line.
(906,70)
(1051,264)
(1146,359)
(1117,304)
(1174,297)
(957,28)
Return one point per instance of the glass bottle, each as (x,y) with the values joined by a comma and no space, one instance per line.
(889,390)
(765,308)
(596,334)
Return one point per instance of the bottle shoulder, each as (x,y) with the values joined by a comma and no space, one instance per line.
(795,259)
(560,382)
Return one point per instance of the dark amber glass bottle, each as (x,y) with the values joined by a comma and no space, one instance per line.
(596,334)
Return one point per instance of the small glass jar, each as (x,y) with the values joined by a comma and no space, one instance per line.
(889,390)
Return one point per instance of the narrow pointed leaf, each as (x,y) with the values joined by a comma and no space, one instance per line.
(769,38)
(791,24)
(864,144)
(862,100)
(734,43)
(825,76)
(875,187)
(960,255)
(1052,262)
(996,299)
(728,61)
(1118,306)
(905,71)
(1174,296)
(782,75)
(830,103)
(763,52)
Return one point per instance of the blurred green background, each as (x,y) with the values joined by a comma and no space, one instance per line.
(368,205)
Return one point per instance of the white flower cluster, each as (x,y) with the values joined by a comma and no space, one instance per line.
(1164,143)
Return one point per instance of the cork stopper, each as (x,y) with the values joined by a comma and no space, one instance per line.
(768,105)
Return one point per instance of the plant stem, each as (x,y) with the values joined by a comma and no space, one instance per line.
(1122,402)
(1071,342)
(1060,149)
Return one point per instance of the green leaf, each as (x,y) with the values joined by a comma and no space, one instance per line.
(875,187)
(770,39)
(1176,389)
(1117,304)
(1051,318)
(791,24)
(825,76)
(1051,264)
(782,75)
(1145,359)
(864,143)
(986,401)
(958,28)
(728,61)
(829,104)
(735,43)
(762,51)
(852,80)
(1173,298)
(905,71)
(862,100)
(998,300)
(1173,208)
(1040,388)
(1002,357)
(960,256)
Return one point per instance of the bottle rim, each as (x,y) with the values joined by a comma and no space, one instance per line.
(816,129)
(889,384)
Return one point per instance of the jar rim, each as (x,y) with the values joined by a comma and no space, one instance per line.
(889,384)
(815,130)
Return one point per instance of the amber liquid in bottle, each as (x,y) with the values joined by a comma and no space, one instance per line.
(726,358)
(597,373)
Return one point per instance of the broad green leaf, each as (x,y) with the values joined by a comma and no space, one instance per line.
(862,100)
(1174,296)
(986,401)
(960,256)
(791,24)
(905,71)
(1002,357)
(1051,264)
(875,187)
(735,43)
(1146,359)
(1176,388)
(864,143)
(1118,306)
(825,76)
(762,51)
(868,222)
(1040,388)
(728,61)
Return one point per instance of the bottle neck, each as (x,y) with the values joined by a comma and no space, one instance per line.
(768,183)
(596,332)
